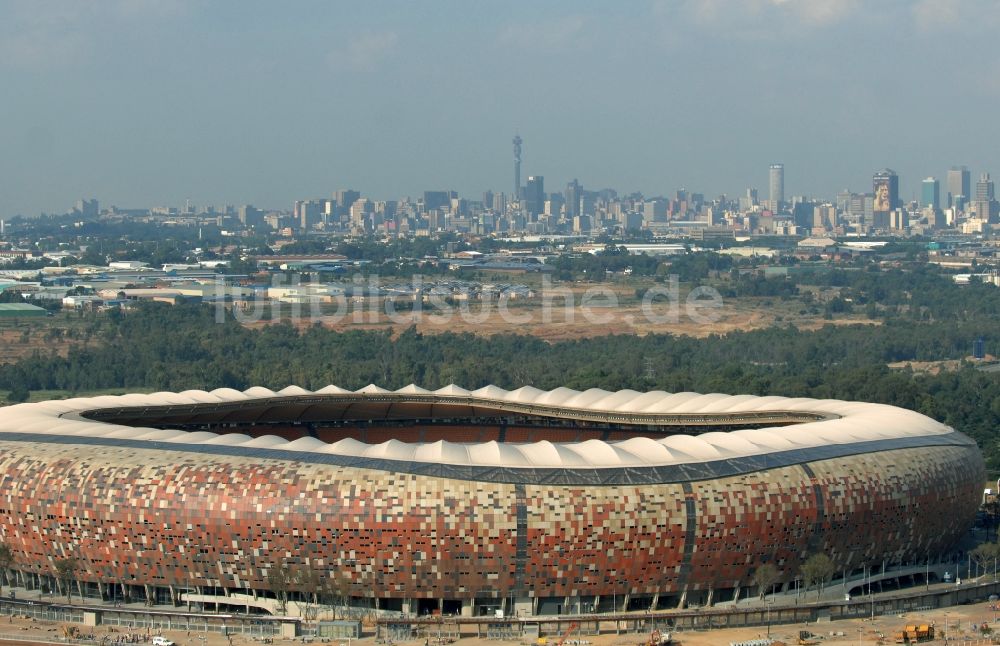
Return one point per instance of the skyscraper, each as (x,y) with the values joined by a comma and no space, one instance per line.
(534,194)
(930,193)
(985,204)
(573,194)
(777,186)
(345,199)
(886,185)
(984,188)
(436,200)
(959,184)
(517,166)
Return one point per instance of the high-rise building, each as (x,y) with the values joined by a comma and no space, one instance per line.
(517,165)
(573,194)
(87,208)
(534,194)
(930,193)
(250,216)
(344,199)
(655,210)
(361,215)
(776,184)
(886,187)
(984,188)
(309,213)
(959,185)
(499,203)
(824,217)
(436,200)
(985,203)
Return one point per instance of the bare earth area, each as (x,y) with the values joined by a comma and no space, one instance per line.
(963,623)
(20,339)
(562,323)
(23,339)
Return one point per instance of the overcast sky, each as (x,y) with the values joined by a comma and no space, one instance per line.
(150,102)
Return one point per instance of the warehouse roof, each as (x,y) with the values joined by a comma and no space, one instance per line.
(21,308)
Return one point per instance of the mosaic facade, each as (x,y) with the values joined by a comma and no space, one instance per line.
(166,516)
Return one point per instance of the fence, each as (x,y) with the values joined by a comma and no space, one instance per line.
(43,612)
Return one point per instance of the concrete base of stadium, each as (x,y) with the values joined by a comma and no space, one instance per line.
(776,609)
(905,579)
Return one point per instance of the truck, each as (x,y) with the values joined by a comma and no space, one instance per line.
(915,634)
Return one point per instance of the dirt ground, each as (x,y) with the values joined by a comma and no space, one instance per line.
(18,341)
(960,621)
(936,367)
(561,323)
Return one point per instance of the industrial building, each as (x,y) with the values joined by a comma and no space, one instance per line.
(21,310)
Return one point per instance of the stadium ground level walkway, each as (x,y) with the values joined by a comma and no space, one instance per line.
(779,609)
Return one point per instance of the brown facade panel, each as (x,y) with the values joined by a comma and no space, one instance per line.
(165,517)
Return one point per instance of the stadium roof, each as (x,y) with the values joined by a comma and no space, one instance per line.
(827,427)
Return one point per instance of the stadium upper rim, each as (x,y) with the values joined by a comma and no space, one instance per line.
(806,427)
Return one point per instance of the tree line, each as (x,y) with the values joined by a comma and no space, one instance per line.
(162,347)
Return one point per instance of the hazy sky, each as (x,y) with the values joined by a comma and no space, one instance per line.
(149,102)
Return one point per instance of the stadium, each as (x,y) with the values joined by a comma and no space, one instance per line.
(468,502)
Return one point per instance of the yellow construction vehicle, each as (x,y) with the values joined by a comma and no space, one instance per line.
(915,634)
(806,638)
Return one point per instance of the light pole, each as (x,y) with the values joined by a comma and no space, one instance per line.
(871,597)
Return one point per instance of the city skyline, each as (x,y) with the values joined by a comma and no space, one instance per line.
(956,182)
(225,105)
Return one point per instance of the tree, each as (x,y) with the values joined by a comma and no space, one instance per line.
(335,591)
(280,579)
(818,569)
(985,556)
(6,560)
(65,568)
(765,577)
(309,581)
(11,296)
(18,394)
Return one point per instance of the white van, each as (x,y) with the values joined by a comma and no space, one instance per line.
(160,640)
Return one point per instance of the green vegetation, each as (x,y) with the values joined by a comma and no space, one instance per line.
(765,577)
(6,561)
(65,569)
(159,347)
(817,570)
(921,316)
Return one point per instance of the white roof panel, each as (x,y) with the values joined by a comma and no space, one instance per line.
(841,423)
